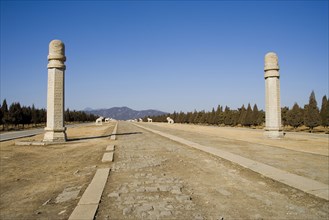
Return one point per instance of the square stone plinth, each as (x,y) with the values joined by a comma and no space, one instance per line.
(274,134)
(52,136)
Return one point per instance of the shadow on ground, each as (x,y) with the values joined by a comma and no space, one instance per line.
(103,136)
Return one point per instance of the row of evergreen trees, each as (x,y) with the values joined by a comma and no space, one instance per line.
(309,116)
(242,116)
(17,115)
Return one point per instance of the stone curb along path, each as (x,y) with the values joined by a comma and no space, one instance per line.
(307,185)
(88,204)
(114,132)
(89,201)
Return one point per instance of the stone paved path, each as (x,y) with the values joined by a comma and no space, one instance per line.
(155,178)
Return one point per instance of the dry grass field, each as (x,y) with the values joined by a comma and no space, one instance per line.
(32,177)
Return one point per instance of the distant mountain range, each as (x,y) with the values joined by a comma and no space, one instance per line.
(123,113)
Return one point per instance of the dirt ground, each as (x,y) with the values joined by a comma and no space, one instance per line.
(155,178)
(299,141)
(33,177)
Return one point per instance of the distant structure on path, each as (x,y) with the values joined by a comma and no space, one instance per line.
(55,130)
(273,128)
(99,121)
(170,121)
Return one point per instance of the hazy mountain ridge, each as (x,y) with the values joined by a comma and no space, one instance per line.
(123,113)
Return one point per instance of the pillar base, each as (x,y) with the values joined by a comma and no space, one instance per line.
(55,135)
(273,134)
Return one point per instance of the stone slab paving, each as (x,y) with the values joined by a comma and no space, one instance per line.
(110,147)
(68,194)
(107,157)
(299,182)
(146,194)
(156,178)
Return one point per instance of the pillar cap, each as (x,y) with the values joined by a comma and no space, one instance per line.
(271,61)
(56,56)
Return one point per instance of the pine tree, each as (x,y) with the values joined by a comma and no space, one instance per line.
(34,115)
(248,119)
(295,116)
(189,118)
(193,117)
(261,118)
(26,116)
(235,117)
(230,116)
(43,115)
(219,115)
(212,117)
(202,117)
(68,115)
(197,117)
(174,116)
(255,115)
(1,116)
(311,113)
(324,113)
(227,116)
(178,119)
(284,112)
(182,117)
(242,115)
(5,113)
(16,114)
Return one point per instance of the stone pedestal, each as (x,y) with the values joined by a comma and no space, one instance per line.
(273,128)
(55,130)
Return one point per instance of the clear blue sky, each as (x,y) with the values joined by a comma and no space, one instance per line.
(164,55)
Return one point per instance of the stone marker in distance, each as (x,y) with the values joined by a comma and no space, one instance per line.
(273,128)
(55,130)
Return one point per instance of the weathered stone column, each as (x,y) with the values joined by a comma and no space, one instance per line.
(55,130)
(273,128)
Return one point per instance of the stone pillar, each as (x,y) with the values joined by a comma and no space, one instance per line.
(55,130)
(273,128)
